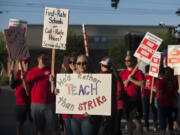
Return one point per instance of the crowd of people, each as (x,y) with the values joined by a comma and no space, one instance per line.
(129,100)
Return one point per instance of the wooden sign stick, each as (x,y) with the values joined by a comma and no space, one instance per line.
(135,67)
(24,81)
(152,85)
(52,69)
(179,83)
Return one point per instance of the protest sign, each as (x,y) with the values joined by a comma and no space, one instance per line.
(174,56)
(18,23)
(154,69)
(154,65)
(147,47)
(55,28)
(16,43)
(84,93)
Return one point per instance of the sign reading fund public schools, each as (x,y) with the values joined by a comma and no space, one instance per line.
(148,47)
(81,93)
(55,28)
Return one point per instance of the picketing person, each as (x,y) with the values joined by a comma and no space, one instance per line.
(22,109)
(146,90)
(113,122)
(167,86)
(132,86)
(42,100)
(69,67)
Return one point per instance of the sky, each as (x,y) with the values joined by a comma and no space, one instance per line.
(100,12)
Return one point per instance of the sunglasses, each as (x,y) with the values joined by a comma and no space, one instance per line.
(26,62)
(72,62)
(128,60)
(81,63)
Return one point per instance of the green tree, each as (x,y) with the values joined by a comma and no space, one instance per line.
(74,44)
(168,39)
(3,54)
(117,52)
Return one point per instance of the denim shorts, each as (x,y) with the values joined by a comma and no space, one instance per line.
(44,116)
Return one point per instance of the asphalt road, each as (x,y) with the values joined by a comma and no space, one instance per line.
(7,115)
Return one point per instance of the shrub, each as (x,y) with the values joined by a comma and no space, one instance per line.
(4,80)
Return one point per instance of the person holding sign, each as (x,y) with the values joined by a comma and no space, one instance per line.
(22,100)
(132,86)
(81,124)
(70,68)
(113,121)
(146,97)
(42,100)
(167,86)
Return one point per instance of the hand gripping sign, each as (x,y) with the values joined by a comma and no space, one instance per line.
(148,47)
(84,93)
(55,29)
(16,46)
(154,69)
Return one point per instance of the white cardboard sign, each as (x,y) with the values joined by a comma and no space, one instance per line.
(80,93)
(148,47)
(55,29)
(174,56)
(155,63)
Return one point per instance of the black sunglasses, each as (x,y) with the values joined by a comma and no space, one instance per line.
(72,62)
(81,63)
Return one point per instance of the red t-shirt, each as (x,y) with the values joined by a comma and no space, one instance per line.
(38,81)
(146,90)
(20,94)
(167,88)
(132,90)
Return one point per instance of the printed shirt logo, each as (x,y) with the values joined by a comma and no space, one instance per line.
(47,73)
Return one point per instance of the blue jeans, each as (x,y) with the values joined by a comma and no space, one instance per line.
(146,107)
(68,127)
(81,126)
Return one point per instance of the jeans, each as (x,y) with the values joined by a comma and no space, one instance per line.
(68,127)
(82,126)
(166,115)
(146,107)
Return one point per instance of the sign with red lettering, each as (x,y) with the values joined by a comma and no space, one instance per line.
(155,63)
(148,47)
(84,93)
(174,56)
(55,29)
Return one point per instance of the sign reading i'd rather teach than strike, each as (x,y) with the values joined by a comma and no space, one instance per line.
(55,28)
(84,93)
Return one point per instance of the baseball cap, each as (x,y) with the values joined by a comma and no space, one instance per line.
(105,61)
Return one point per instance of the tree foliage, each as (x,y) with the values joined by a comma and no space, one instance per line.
(3,51)
(168,39)
(117,52)
(74,44)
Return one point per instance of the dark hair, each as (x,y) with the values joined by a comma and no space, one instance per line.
(146,68)
(65,65)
